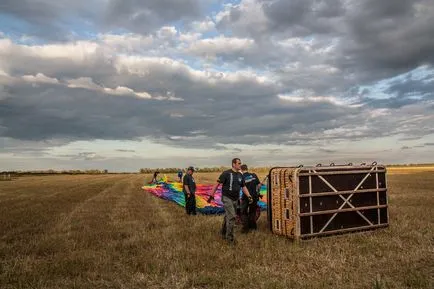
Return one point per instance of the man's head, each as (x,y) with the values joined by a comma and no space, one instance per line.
(244,168)
(190,170)
(236,164)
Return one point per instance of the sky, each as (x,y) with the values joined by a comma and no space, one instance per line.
(129,84)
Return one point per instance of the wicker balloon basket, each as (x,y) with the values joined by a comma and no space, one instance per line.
(306,202)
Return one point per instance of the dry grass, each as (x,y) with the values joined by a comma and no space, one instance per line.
(410,170)
(105,232)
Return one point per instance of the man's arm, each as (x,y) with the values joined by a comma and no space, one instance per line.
(258,187)
(259,184)
(220,180)
(214,188)
(258,190)
(246,192)
(187,190)
(186,182)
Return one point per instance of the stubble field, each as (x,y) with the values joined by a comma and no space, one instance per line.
(103,231)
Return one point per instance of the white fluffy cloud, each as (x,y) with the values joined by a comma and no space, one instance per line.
(39,78)
(220,45)
(203,26)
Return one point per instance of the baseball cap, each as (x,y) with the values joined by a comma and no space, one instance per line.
(191,168)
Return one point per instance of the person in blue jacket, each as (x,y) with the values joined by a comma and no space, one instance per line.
(180,175)
(248,209)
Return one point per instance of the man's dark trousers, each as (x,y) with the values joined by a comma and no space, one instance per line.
(248,215)
(190,204)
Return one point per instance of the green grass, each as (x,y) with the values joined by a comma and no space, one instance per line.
(103,231)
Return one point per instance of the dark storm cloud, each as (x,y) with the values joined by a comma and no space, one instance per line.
(57,112)
(284,18)
(48,19)
(370,40)
(389,37)
(39,13)
(302,17)
(58,20)
(48,99)
(241,110)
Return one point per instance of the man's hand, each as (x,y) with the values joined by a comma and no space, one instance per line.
(214,189)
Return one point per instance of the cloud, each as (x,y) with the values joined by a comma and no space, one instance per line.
(167,32)
(189,37)
(47,19)
(62,20)
(247,18)
(213,101)
(87,83)
(301,96)
(257,77)
(413,85)
(40,78)
(21,148)
(220,45)
(399,37)
(71,59)
(90,109)
(125,151)
(86,156)
(129,42)
(203,26)
(146,16)
(361,41)
(329,151)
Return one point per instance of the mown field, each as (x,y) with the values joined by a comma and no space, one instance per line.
(103,231)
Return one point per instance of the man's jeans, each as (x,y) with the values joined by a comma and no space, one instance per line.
(230,207)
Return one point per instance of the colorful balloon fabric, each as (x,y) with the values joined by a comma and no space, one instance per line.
(172,191)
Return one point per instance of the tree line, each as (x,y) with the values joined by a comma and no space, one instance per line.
(57,172)
(202,170)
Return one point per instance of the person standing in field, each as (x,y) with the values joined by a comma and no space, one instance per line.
(232,182)
(180,175)
(248,209)
(154,178)
(189,189)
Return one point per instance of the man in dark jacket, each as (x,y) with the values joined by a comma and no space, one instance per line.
(232,182)
(189,189)
(248,210)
